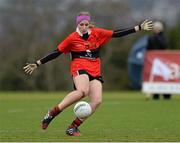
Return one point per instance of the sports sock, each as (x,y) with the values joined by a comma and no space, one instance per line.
(76,123)
(55,111)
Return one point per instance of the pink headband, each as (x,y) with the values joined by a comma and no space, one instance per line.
(81,18)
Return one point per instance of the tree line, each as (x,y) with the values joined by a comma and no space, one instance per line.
(31,29)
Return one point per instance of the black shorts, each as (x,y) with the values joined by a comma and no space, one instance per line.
(90,76)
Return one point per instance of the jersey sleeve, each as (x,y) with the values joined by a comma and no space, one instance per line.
(104,35)
(65,45)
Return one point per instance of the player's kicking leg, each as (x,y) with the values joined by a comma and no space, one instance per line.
(71,98)
(68,100)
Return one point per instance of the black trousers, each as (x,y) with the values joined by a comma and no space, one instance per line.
(165,96)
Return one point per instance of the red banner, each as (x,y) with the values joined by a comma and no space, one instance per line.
(162,71)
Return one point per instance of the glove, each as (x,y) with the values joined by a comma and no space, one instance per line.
(146,25)
(29,68)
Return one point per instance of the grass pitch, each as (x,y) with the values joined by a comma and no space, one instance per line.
(123,116)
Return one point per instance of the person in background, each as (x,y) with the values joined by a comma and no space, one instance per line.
(84,45)
(158,41)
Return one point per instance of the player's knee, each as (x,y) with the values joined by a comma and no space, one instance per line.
(84,92)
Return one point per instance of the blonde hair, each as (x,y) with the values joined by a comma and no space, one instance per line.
(88,14)
(84,13)
(158,26)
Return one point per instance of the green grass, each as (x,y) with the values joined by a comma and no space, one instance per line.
(123,116)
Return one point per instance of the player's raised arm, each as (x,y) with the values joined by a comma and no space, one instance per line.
(146,25)
(30,67)
(63,47)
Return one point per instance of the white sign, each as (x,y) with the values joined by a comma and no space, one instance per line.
(161,87)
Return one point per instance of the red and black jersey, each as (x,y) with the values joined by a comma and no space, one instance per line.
(75,43)
(86,46)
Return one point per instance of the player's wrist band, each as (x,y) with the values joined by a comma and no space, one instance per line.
(37,64)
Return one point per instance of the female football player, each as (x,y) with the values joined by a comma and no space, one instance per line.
(84,46)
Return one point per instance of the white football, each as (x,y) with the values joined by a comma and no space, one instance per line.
(82,109)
